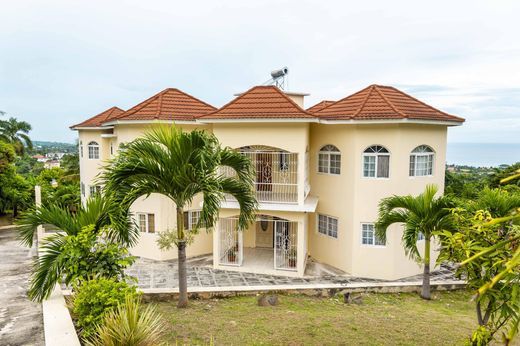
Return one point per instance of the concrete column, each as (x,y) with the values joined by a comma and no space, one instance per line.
(301,251)
(301,178)
(216,245)
(38,202)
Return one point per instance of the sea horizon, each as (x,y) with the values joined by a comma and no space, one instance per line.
(482,154)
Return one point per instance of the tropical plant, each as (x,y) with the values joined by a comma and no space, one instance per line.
(130,325)
(17,133)
(96,233)
(94,298)
(182,165)
(423,215)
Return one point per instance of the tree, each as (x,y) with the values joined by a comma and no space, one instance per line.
(99,217)
(17,133)
(182,165)
(423,214)
(70,164)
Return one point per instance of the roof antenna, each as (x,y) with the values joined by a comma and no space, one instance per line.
(279,78)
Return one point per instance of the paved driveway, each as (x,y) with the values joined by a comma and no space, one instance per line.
(21,321)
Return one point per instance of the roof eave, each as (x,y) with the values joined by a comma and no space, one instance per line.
(257,120)
(393,121)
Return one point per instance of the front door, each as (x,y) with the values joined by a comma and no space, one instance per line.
(264,233)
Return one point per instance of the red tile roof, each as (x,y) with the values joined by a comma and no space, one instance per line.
(378,102)
(99,119)
(261,102)
(169,104)
(319,106)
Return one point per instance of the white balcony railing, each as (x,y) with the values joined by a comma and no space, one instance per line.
(276,175)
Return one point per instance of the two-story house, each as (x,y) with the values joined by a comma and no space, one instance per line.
(320,174)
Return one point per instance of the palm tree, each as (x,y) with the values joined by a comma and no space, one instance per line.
(423,214)
(181,165)
(99,212)
(17,133)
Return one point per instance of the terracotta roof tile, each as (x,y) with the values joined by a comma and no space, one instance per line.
(383,102)
(319,106)
(169,104)
(102,117)
(261,102)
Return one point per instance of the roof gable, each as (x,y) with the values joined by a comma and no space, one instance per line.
(98,120)
(169,104)
(378,102)
(260,102)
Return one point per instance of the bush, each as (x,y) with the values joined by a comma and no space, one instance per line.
(130,325)
(94,299)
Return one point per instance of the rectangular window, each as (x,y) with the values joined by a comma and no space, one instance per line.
(328,225)
(369,166)
(335,163)
(94,189)
(376,166)
(146,222)
(368,235)
(323,163)
(191,218)
(81,150)
(82,189)
(421,165)
(93,152)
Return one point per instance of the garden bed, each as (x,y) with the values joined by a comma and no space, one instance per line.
(382,319)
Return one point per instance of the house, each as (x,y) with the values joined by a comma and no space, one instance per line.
(320,174)
(51,164)
(39,158)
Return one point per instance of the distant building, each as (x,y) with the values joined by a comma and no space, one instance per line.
(55,156)
(39,158)
(51,164)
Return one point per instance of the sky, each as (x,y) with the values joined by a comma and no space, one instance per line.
(62,62)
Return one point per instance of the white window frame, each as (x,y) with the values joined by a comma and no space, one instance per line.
(430,157)
(374,238)
(328,153)
(327,232)
(93,150)
(191,223)
(146,221)
(375,155)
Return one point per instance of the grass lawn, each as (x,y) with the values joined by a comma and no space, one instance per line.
(382,319)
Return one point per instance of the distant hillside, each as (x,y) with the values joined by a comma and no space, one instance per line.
(47,146)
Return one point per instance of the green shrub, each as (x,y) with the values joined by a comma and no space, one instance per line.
(95,298)
(130,325)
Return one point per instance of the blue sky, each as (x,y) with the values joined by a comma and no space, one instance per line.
(64,61)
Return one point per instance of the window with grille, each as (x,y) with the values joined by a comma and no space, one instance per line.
(421,161)
(376,162)
(329,160)
(93,150)
(328,225)
(368,235)
(94,190)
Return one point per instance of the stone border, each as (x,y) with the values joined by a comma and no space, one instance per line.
(312,289)
(57,322)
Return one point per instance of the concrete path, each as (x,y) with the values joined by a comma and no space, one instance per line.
(21,321)
(163,275)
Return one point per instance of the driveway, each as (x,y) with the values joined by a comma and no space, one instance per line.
(21,320)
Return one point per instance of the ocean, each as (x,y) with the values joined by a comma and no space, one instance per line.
(483,154)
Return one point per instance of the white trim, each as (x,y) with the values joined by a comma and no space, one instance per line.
(98,128)
(146,220)
(393,121)
(363,154)
(153,121)
(328,153)
(259,120)
(108,135)
(417,154)
(309,205)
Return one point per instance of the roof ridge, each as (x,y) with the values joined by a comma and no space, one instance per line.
(371,87)
(376,88)
(159,103)
(192,97)
(290,100)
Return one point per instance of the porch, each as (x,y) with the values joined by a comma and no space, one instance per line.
(272,245)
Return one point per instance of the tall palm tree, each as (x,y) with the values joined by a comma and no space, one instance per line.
(17,133)
(423,214)
(99,212)
(181,165)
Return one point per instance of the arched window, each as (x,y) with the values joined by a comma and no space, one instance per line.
(421,161)
(329,160)
(376,162)
(93,150)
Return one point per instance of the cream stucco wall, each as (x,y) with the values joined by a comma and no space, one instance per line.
(354,199)
(349,197)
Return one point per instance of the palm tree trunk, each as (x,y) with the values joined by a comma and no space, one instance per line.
(425,292)
(181,260)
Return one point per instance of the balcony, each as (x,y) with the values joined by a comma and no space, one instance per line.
(276,174)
